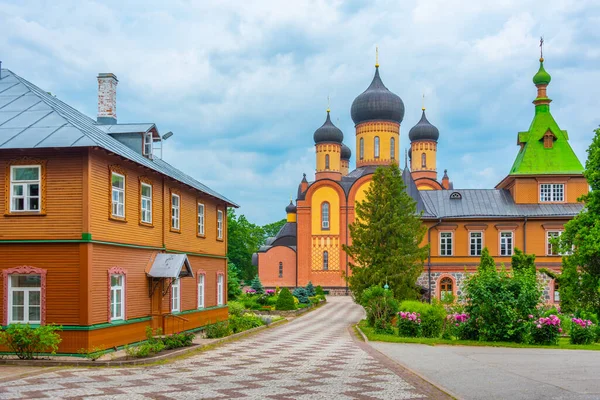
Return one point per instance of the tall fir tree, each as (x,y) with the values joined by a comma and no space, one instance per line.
(386,238)
(487,263)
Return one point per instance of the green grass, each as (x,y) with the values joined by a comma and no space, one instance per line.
(563,342)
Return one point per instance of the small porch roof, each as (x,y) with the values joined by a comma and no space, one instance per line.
(168,265)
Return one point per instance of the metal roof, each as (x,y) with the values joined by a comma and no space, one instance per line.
(33,118)
(167,265)
(490,203)
(127,128)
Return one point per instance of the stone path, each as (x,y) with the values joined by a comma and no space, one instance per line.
(312,357)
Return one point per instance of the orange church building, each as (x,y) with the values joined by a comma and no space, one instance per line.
(99,234)
(526,209)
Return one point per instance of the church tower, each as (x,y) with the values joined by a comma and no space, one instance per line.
(346,154)
(328,146)
(377,114)
(423,149)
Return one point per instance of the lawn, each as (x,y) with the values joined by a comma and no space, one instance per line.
(371,335)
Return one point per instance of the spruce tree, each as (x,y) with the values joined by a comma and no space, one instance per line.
(487,263)
(386,238)
(257,285)
(310,289)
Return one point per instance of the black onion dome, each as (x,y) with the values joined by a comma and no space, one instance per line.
(328,132)
(423,130)
(291,208)
(346,152)
(377,103)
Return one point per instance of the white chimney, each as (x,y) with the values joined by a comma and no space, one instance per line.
(107,98)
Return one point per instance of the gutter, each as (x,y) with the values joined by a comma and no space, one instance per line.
(525,236)
(429,258)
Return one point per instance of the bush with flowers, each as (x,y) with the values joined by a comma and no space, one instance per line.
(432,316)
(456,326)
(583,331)
(409,324)
(381,308)
(545,330)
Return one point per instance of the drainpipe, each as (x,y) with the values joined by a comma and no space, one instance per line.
(525,236)
(429,258)
(346,245)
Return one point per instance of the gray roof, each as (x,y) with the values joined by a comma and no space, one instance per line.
(32,118)
(167,265)
(377,103)
(127,128)
(481,203)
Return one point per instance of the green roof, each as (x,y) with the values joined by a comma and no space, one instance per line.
(541,77)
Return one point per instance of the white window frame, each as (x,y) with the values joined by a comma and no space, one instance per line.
(201,214)
(26,291)
(471,238)
(146,204)
(175,212)
(552,193)
(113,298)
(176,295)
(446,244)
(376,147)
(504,236)
(550,233)
(115,205)
(325,215)
(220,224)
(220,289)
(148,143)
(25,184)
(555,293)
(201,290)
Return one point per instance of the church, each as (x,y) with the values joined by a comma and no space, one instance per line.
(525,210)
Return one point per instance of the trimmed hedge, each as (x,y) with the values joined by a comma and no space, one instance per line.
(285,301)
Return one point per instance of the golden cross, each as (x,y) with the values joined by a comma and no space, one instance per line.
(541,48)
(376,56)
(328,109)
(423,103)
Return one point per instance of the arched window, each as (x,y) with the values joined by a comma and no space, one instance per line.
(556,298)
(325,215)
(325,261)
(392,148)
(326,161)
(280,269)
(423,160)
(548,140)
(376,145)
(446,289)
(362,148)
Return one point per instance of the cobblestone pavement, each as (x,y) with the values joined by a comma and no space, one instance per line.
(312,357)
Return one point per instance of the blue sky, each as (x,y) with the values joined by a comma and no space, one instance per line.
(243,85)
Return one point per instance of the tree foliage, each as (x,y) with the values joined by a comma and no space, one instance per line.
(386,238)
(273,228)
(233,282)
(257,285)
(285,301)
(580,279)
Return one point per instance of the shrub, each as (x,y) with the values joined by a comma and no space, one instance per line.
(314,300)
(285,301)
(92,354)
(263,299)
(244,322)
(583,331)
(178,340)
(319,291)
(27,342)
(456,325)
(381,308)
(302,295)
(432,316)
(409,324)
(217,330)
(310,289)
(236,308)
(270,292)
(234,288)
(257,285)
(545,330)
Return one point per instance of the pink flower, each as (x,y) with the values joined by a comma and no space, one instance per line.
(530,316)
(559,330)
(539,326)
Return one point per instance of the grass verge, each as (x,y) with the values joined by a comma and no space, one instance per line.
(563,343)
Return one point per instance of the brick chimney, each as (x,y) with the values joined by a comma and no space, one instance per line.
(107,98)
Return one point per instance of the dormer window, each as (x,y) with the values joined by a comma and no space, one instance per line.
(455,196)
(552,192)
(148,144)
(548,140)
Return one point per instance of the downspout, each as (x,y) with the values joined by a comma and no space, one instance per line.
(429,259)
(346,245)
(525,236)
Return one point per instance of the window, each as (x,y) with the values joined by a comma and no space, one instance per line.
(326,161)
(280,269)
(392,148)
(146,195)
(175,209)
(25,298)
(200,219)
(376,146)
(220,295)
(117,297)
(219,224)
(552,192)
(118,195)
(506,243)
(325,215)
(445,243)
(548,140)
(551,249)
(148,144)
(175,295)
(325,261)
(423,160)
(476,240)
(556,293)
(361,148)
(25,186)
(446,290)
(201,278)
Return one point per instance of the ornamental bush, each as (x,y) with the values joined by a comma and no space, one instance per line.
(217,330)
(178,340)
(27,342)
(244,322)
(583,331)
(381,308)
(302,295)
(285,301)
(319,291)
(236,308)
(257,285)
(409,324)
(545,330)
(432,316)
(456,326)
(310,289)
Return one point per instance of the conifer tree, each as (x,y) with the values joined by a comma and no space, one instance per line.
(386,238)
(487,263)
(310,288)
(257,285)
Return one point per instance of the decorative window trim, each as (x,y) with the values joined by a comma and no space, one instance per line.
(552,185)
(223,288)
(451,232)
(439,285)
(506,227)
(202,273)
(25,270)
(8,189)
(361,149)
(173,192)
(116,169)
(547,232)
(423,160)
(476,227)
(469,242)
(118,271)
(221,237)
(512,243)
(446,227)
(376,145)
(203,234)
(146,181)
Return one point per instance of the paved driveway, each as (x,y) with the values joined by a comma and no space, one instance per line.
(503,373)
(312,357)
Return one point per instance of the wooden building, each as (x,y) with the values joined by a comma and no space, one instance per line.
(98,233)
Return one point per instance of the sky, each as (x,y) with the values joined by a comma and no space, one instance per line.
(243,85)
